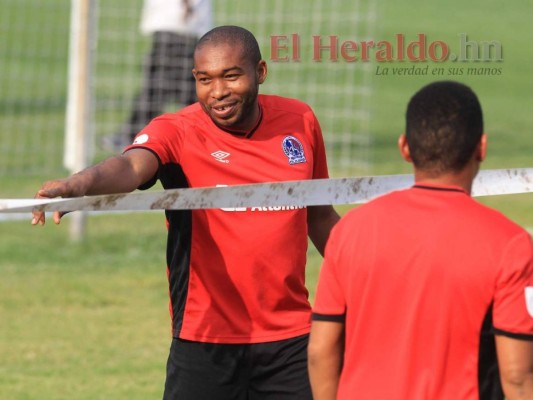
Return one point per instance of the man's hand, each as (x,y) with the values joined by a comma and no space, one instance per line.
(118,174)
(51,189)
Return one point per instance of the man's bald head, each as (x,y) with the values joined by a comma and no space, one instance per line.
(232,35)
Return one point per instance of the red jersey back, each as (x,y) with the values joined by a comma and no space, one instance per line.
(423,277)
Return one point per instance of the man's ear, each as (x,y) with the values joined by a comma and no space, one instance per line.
(481,151)
(261,71)
(403,146)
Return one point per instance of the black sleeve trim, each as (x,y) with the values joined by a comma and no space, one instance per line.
(327,317)
(520,336)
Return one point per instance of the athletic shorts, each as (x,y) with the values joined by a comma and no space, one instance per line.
(214,371)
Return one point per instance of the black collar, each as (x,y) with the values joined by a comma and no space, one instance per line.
(439,188)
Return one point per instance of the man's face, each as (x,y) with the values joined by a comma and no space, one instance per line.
(227,84)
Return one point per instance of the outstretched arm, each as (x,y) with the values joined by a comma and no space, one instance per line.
(118,174)
(515,360)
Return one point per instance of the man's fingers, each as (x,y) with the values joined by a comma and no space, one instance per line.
(48,191)
(57,217)
(38,218)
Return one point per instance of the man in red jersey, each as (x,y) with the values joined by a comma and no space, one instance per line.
(417,285)
(239,307)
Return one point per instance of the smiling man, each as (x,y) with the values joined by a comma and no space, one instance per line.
(238,301)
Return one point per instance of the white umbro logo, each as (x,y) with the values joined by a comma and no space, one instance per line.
(221,156)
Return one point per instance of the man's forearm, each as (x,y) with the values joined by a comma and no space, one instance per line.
(515,359)
(324,373)
(114,175)
(325,358)
(518,389)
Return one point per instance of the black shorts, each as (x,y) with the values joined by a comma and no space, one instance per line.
(212,371)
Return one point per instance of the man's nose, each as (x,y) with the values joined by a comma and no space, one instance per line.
(219,89)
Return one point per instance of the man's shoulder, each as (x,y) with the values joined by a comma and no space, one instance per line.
(495,221)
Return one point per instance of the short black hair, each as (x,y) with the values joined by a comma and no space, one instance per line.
(231,34)
(444,124)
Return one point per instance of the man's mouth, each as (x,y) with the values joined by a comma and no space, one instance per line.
(223,110)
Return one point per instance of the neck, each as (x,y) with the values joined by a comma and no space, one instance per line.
(462,179)
(248,128)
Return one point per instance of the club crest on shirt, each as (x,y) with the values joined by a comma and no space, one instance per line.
(293,149)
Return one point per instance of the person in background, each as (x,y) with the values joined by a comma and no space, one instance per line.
(424,293)
(175,26)
(238,301)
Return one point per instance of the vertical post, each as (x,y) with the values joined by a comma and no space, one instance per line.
(78,136)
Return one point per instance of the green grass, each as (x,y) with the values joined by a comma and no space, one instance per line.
(84,320)
(89,320)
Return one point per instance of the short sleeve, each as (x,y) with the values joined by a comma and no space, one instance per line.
(162,137)
(513,300)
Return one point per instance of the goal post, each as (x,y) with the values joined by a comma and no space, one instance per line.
(78,142)
(78,147)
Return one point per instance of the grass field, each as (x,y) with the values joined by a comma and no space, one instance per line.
(89,320)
